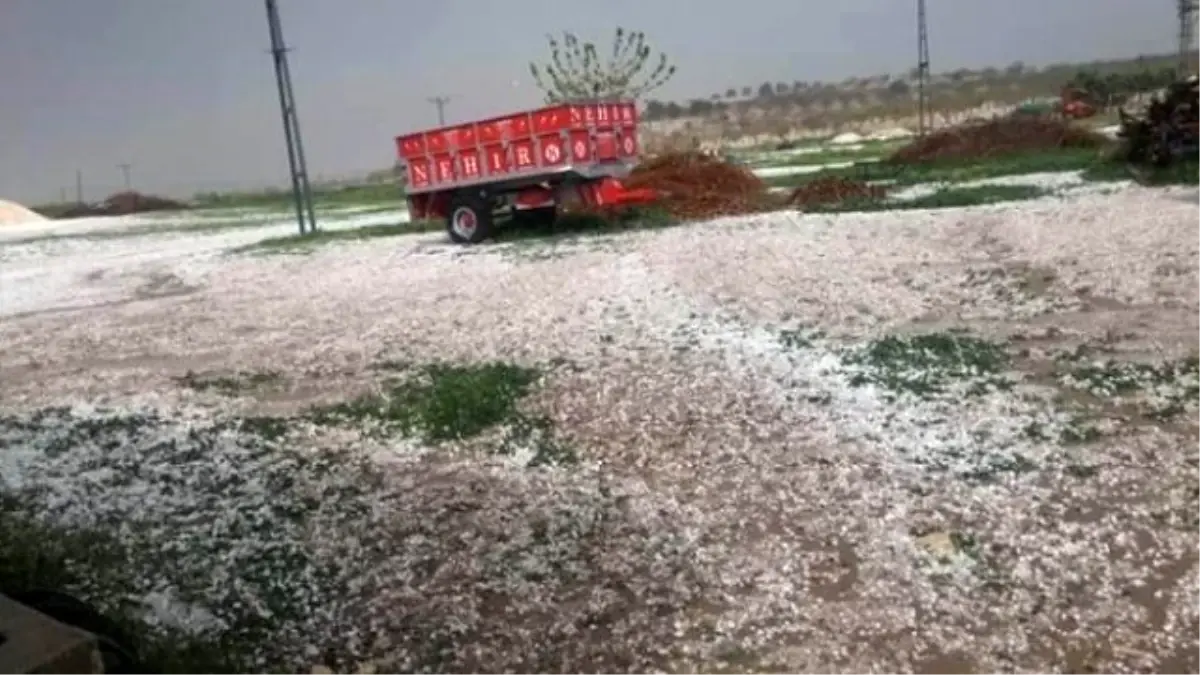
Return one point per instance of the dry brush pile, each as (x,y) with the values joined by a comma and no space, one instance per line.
(692,185)
(996,137)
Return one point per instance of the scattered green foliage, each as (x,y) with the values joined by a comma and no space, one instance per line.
(927,364)
(957,171)
(441,402)
(229,383)
(1168,387)
(801,337)
(307,243)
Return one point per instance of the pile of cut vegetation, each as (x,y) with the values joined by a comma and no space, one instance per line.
(998,136)
(692,185)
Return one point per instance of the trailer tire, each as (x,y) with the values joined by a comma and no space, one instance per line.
(470,219)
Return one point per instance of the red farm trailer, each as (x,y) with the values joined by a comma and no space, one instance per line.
(525,165)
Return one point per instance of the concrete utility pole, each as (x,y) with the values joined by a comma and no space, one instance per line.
(922,71)
(440,102)
(79,186)
(301,191)
(1186,11)
(125,168)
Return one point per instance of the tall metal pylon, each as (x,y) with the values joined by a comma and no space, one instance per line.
(922,71)
(301,190)
(1186,10)
(440,103)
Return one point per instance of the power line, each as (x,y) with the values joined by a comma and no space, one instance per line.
(301,191)
(440,102)
(922,71)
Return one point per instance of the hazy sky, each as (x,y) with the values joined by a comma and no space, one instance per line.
(184,90)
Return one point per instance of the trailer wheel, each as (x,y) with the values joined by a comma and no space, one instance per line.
(470,219)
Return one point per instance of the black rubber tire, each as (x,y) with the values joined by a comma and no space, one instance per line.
(480,209)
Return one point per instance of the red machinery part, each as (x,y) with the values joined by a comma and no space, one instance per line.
(613,192)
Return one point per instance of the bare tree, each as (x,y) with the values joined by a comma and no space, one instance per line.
(575,70)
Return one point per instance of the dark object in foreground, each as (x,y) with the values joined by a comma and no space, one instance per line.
(1167,132)
(49,632)
(998,136)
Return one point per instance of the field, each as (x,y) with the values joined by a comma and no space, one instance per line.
(950,431)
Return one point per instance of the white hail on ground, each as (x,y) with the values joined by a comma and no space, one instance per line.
(792,499)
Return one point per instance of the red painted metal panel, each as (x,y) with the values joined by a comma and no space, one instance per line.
(469,166)
(496,160)
(552,151)
(522,155)
(606,115)
(575,115)
(519,126)
(581,146)
(436,141)
(552,119)
(443,168)
(464,136)
(547,139)
(534,197)
(629,143)
(606,145)
(418,172)
(489,131)
(410,146)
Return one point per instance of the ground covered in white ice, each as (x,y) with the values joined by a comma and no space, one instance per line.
(929,439)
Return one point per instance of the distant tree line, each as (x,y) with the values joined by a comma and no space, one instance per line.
(1114,89)
(1109,84)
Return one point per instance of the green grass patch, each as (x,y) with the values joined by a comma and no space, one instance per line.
(566,226)
(386,195)
(956,171)
(927,365)
(250,219)
(1186,172)
(948,197)
(441,402)
(827,156)
(307,243)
